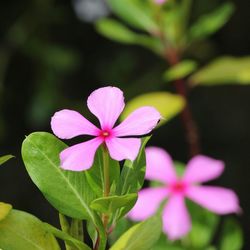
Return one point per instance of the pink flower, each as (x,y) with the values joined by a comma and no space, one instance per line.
(176,219)
(160,1)
(106,104)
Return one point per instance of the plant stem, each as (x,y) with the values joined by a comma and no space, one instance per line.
(105,158)
(106,191)
(76,229)
(172,55)
(192,134)
(65,227)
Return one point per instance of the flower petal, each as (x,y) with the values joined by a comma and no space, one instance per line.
(148,201)
(67,124)
(139,122)
(123,148)
(159,165)
(202,168)
(106,104)
(176,219)
(80,156)
(216,199)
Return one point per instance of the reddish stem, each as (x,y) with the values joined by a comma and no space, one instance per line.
(192,134)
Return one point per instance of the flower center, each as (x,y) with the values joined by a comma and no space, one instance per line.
(178,187)
(104,134)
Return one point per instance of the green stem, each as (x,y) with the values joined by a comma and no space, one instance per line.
(106,191)
(65,228)
(105,157)
(76,229)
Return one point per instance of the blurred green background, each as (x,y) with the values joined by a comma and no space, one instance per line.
(51,58)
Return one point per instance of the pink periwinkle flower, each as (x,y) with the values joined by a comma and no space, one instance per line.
(176,219)
(106,104)
(159,1)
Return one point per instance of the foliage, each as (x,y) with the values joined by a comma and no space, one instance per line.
(224,70)
(169,31)
(79,195)
(140,236)
(20,230)
(168,104)
(5,158)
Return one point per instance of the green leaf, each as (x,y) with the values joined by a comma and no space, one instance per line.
(232,236)
(68,191)
(4,210)
(111,204)
(204,224)
(141,236)
(120,228)
(23,231)
(224,70)
(95,175)
(118,32)
(166,103)
(211,22)
(135,13)
(5,158)
(180,70)
(66,237)
(132,175)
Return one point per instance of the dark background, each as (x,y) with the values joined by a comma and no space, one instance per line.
(50,59)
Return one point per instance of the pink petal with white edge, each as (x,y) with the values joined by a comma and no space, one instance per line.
(202,168)
(67,124)
(123,148)
(80,156)
(148,201)
(106,104)
(159,165)
(176,219)
(139,122)
(216,199)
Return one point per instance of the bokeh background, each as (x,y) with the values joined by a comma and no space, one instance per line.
(51,58)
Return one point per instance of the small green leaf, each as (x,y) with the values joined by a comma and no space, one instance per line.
(95,174)
(4,210)
(116,31)
(141,236)
(132,175)
(211,22)
(232,236)
(5,158)
(166,103)
(181,70)
(224,70)
(135,13)
(111,204)
(23,231)
(66,237)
